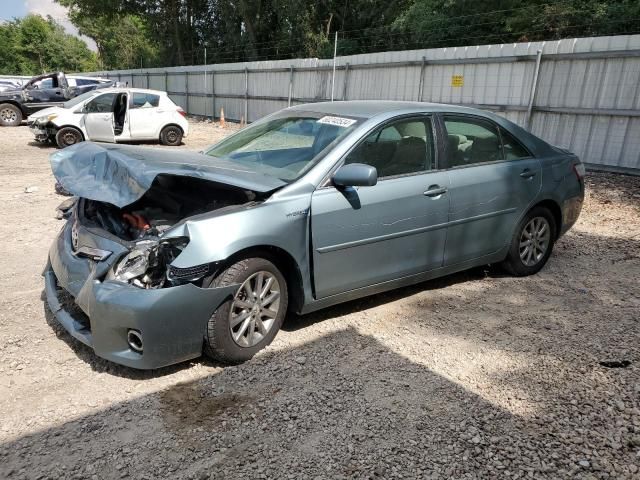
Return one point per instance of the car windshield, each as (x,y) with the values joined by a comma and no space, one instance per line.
(285,145)
(79,99)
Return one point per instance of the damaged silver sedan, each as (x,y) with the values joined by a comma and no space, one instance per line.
(166,255)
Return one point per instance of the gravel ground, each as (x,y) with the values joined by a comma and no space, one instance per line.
(476,375)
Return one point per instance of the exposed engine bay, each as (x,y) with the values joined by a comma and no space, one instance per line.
(143,224)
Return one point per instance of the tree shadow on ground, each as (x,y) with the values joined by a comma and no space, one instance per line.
(341,406)
(493,377)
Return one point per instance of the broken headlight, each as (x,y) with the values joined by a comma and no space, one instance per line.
(148,264)
(137,262)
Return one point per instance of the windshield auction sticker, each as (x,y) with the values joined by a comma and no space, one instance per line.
(337,121)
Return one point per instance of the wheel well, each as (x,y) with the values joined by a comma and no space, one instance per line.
(14,104)
(172,125)
(555,210)
(285,263)
(71,126)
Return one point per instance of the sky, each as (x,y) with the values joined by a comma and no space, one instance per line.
(10,9)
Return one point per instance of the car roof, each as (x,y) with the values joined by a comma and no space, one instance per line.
(387,108)
(81,77)
(129,90)
(372,108)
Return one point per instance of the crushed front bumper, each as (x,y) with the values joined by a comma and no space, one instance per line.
(41,132)
(172,321)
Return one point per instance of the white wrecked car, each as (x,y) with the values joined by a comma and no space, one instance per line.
(113,115)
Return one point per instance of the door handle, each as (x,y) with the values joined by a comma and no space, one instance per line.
(435,191)
(526,173)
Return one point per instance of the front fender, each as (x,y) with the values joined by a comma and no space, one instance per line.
(216,238)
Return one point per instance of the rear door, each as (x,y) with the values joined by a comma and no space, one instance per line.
(144,117)
(98,118)
(397,228)
(494,180)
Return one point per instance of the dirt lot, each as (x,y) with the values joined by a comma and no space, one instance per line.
(477,375)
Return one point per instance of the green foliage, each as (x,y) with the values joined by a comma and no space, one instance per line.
(123,41)
(436,23)
(34,45)
(176,32)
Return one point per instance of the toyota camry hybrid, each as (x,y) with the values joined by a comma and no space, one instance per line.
(166,255)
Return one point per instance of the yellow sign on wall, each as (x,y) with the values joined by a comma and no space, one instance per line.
(457,80)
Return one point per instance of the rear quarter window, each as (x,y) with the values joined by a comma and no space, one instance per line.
(513,149)
(145,100)
(84,82)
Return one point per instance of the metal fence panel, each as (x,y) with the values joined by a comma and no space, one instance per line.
(587,94)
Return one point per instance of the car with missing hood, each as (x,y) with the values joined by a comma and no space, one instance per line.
(113,115)
(168,254)
(43,91)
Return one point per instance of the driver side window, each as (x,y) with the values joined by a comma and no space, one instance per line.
(401,148)
(101,104)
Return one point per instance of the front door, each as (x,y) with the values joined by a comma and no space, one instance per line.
(99,118)
(43,94)
(494,179)
(367,235)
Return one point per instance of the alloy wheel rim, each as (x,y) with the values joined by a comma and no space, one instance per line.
(254,309)
(8,115)
(534,241)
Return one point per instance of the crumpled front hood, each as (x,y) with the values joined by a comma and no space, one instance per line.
(120,175)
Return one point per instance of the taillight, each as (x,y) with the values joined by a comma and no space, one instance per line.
(579,170)
(182,112)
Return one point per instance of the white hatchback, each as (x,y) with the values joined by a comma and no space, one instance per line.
(112,115)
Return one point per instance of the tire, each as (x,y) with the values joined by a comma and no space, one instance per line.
(68,136)
(225,340)
(10,115)
(171,136)
(538,228)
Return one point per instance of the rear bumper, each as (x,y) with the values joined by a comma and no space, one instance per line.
(571,209)
(98,313)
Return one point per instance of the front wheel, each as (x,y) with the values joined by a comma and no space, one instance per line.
(171,135)
(68,136)
(249,321)
(10,115)
(532,243)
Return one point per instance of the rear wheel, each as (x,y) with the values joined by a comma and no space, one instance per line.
(68,136)
(249,321)
(171,135)
(10,115)
(532,243)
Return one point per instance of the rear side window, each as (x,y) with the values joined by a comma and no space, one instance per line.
(145,100)
(402,148)
(101,104)
(84,82)
(513,149)
(471,141)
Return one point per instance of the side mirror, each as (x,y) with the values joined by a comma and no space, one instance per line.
(355,175)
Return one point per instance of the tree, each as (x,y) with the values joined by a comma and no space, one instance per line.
(122,43)
(34,45)
(442,23)
(175,32)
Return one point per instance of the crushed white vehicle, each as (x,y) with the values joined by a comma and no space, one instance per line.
(114,115)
